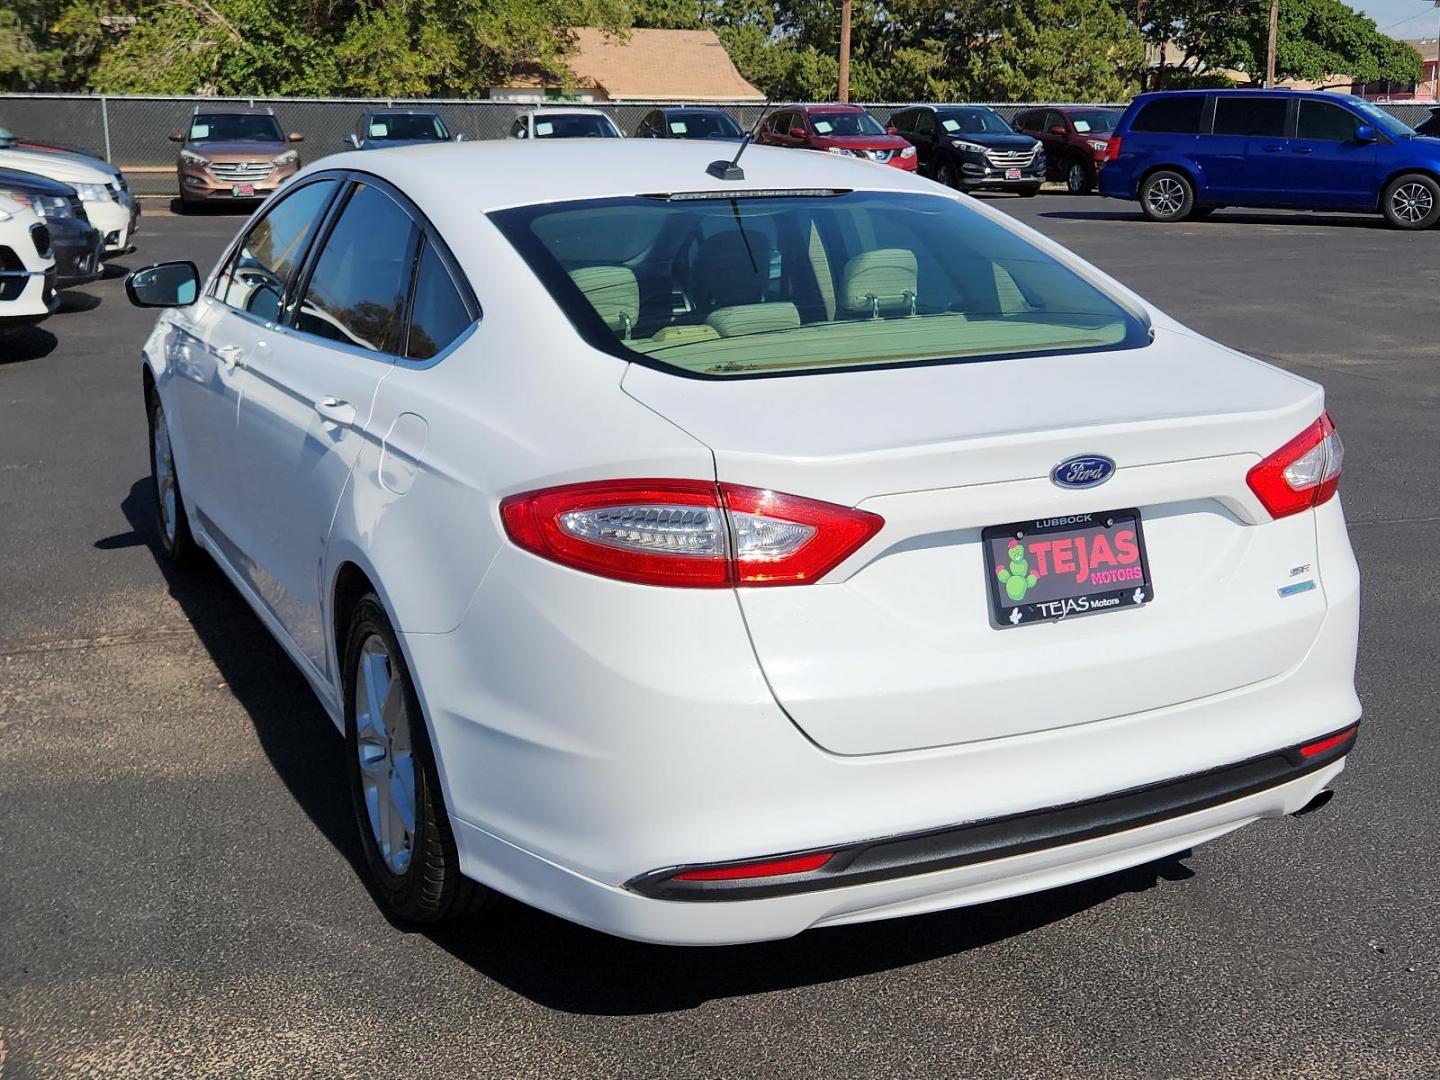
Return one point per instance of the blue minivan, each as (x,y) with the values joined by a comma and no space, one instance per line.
(1184,153)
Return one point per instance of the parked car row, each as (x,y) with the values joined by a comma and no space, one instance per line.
(62,212)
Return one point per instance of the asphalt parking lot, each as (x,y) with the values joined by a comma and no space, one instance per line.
(180,894)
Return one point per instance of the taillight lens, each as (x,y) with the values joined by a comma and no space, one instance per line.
(686,533)
(1112,148)
(1303,473)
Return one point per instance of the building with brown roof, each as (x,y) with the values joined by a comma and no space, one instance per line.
(644,65)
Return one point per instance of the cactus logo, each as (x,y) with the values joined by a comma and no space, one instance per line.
(1017,578)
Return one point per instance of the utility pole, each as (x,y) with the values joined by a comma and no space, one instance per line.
(845,50)
(1270,47)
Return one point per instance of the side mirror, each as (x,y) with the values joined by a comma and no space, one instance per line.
(177,136)
(459,136)
(353,140)
(295,136)
(892,130)
(1365,133)
(1057,129)
(164,285)
(797,133)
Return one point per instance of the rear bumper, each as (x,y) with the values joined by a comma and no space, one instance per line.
(628,914)
(581,749)
(985,841)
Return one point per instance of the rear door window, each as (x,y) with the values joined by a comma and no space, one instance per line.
(1251,116)
(1323,122)
(356,293)
(438,314)
(1173,115)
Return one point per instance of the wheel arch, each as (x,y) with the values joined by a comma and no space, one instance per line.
(1399,171)
(1189,171)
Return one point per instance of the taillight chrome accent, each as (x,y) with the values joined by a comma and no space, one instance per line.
(686,533)
(1305,472)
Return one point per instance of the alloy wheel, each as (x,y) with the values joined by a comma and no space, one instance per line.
(1165,197)
(1412,202)
(165,492)
(387,762)
(1075,179)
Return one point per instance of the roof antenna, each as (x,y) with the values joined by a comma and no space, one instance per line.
(730,170)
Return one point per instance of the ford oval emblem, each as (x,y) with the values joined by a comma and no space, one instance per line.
(1086,471)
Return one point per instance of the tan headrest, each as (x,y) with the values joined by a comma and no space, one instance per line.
(613,292)
(754,318)
(880,282)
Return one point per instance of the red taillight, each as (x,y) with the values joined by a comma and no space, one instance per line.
(1303,473)
(798,864)
(1327,743)
(1112,148)
(686,533)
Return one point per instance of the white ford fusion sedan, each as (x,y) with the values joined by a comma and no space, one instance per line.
(705,559)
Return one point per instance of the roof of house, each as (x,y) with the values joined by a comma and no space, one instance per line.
(1428,48)
(656,65)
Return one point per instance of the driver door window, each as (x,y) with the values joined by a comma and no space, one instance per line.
(255,278)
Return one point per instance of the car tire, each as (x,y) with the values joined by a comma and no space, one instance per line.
(1166,195)
(1077,177)
(945,174)
(394,785)
(1411,201)
(172,524)
(1028,192)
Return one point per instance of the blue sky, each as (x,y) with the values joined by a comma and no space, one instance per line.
(1420,19)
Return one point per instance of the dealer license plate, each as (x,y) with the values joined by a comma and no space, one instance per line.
(1061,567)
(1012,174)
(243,191)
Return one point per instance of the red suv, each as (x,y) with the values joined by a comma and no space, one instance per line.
(1075,140)
(836,129)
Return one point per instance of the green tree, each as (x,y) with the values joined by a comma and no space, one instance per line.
(1315,40)
(1057,50)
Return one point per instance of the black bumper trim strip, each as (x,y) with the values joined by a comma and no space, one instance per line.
(1016,834)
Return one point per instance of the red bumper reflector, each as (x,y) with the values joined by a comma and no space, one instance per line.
(1327,743)
(800,864)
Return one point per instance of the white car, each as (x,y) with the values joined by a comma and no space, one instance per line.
(703,559)
(108,205)
(27,266)
(558,122)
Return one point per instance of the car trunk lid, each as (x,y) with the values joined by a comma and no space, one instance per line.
(898,649)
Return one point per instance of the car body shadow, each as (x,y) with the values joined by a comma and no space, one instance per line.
(552,962)
(21,343)
(72,301)
(295,735)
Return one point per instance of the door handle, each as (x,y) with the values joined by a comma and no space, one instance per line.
(1302,149)
(334,411)
(1273,149)
(230,356)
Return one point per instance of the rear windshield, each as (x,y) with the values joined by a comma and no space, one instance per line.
(233,127)
(777,285)
(845,124)
(1094,121)
(974,122)
(406,126)
(574,126)
(702,125)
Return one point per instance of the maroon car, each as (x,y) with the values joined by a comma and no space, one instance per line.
(836,129)
(1075,139)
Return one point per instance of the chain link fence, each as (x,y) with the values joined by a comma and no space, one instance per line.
(132,131)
